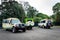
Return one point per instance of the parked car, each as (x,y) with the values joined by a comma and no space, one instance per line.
(45,23)
(29,23)
(13,24)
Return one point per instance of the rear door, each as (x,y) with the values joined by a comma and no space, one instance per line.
(6,24)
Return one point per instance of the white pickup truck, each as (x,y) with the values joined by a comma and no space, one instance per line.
(45,23)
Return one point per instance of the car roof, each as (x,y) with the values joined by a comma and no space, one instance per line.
(12,18)
(43,19)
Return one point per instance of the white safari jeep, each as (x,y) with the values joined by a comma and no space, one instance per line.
(13,24)
(46,23)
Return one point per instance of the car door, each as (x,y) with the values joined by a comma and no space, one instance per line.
(43,23)
(6,24)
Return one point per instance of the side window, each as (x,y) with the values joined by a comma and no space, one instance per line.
(5,21)
(43,21)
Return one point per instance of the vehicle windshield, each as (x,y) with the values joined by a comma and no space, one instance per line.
(42,21)
(15,21)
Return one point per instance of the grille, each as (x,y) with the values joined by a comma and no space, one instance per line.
(21,25)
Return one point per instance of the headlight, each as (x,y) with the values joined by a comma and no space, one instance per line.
(23,24)
(32,23)
(27,23)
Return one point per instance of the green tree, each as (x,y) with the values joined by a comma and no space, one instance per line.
(53,17)
(56,10)
(41,15)
(13,9)
(31,12)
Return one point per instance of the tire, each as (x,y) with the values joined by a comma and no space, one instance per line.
(29,28)
(48,27)
(39,26)
(24,30)
(14,30)
(6,29)
(43,26)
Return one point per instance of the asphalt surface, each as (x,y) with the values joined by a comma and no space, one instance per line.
(35,34)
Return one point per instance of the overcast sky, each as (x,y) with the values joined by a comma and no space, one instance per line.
(43,6)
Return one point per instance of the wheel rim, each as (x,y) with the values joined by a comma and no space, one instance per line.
(43,26)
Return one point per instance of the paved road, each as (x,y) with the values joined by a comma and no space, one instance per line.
(35,34)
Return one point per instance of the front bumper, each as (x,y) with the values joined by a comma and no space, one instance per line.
(20,28)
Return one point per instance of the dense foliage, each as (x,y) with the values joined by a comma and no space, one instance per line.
(41,15)
(13,9)
(31,12)
(56,10)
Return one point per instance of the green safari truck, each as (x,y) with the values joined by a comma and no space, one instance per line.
(29,23)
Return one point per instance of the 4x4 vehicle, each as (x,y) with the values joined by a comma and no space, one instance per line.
(46,23)
(13,24)
(29,23)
